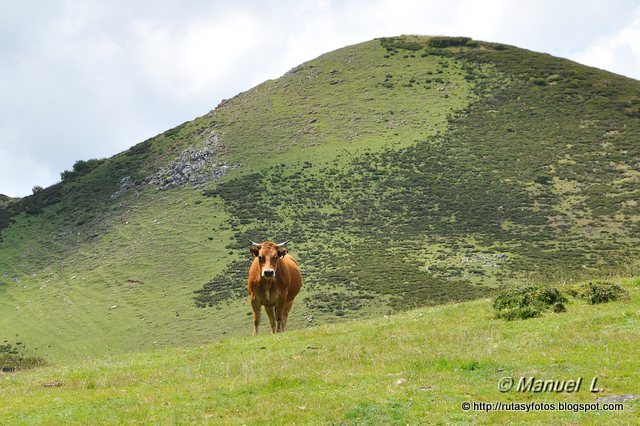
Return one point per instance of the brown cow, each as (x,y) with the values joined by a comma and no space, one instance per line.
(274,281)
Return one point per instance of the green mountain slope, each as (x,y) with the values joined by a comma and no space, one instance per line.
(407,171)
(416,367)
(5,200)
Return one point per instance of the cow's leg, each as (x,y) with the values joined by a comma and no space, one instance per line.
(285,316)
(256,307)
(271,313)
(281,311)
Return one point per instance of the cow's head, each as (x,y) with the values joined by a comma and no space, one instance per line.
(268,254)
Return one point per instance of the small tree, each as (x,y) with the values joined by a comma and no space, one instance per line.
(81,167)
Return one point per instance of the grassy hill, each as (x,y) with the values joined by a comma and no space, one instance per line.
(415,367)
(4,200)
(407,171)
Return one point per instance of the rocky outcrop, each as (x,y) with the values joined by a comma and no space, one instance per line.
(194,166)
(125,183)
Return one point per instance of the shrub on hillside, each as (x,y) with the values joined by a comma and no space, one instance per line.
(141,148)
(16,362)
(599,291)
(81,167)
(394,43)
(437,52)
(539,81)
(528,301)
(448,41)
(543,180)
(12,359)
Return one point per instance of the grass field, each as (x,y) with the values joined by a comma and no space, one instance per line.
(416,367)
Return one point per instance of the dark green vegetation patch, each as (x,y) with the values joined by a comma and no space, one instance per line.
(599,291)
(528,301)
(13,357)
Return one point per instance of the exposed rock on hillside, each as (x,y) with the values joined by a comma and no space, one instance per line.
(125,183)
(195,166)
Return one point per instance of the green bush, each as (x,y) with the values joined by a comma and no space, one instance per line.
(599,291)
(437,52)
(394,43)
(17,362)
(67,174)
(81,167)
(543,180)
(539,81)
(528,301)
(12,358)
(141,148)
(448,41)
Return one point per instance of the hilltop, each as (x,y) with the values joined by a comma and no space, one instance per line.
(5,200)
(407,171)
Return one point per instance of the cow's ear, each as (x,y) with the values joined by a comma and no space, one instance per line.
(282,250)
(255,250)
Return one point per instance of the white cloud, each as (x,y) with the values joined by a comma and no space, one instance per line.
(198,57)
(14,165)
(618,52)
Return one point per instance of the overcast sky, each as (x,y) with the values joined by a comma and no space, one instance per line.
(84,79)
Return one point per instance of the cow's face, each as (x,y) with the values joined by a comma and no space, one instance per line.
(268,254)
